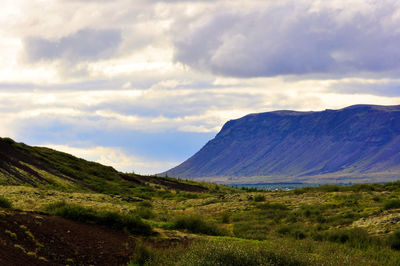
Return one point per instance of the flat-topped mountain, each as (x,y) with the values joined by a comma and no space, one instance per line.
(355,144)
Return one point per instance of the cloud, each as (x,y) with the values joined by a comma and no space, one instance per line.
(292,38)
(155,80)
(371,86)
(84,45)
(167,122)
(116,157)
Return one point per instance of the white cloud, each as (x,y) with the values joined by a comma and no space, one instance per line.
(117,158)
(177,105)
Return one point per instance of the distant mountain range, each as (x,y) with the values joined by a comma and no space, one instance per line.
(360,143)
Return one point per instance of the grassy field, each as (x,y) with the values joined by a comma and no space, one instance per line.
(212,224)
(329,225)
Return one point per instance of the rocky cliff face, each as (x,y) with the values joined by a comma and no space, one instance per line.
(358,142)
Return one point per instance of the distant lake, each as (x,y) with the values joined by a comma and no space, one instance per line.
(282,186)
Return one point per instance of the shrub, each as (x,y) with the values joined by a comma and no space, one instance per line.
(8,140)
(142,255)
(292,230)
(355,237)
(330,188)
(253,229)
(394,240)
(259,198)
(5,203)
(114,220)
(226,217)
(364,187)
(195,224)
(311,210)
(344,218)
(298,234)
(392,204)
(284,230)
(376,199)
(349,200)
(144,212)
(272,206)
(146,204)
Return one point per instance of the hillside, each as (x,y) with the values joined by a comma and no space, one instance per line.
(56,209)
(42,167)
(359,143)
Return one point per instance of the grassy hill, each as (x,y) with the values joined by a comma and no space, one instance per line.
(42,167)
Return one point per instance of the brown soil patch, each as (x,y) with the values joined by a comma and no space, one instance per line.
(48,240)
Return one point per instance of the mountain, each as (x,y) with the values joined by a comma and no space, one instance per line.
(46,168)
(359,143)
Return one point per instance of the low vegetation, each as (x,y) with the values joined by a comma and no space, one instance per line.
(179,222)
(355,225)
(5,203)
(128,222)
(196,224)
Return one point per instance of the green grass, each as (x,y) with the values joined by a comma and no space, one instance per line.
(252,229)
(144,212)
(225,252)
(5,203)
(355,237)
(392,204)
(142,255)
(389,186)
(327,225)
(112,219)
(10,234)
(50,169)
(234,251)
(196,224)
(259,198)
(272,206)
(294,230)
(20,248)
(394,240)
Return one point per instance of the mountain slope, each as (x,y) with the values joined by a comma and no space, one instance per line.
(358,142)
(42,167)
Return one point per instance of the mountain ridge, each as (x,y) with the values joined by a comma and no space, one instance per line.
(356,143)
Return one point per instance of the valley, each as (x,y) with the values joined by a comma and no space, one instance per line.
(305,226)
(61,210)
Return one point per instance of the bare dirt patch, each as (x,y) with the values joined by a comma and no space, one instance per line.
(37,239)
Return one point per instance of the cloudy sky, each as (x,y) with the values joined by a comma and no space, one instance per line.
(143,84)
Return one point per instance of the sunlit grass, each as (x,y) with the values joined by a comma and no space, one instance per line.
(352,224)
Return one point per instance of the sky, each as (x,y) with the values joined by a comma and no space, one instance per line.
(142,85)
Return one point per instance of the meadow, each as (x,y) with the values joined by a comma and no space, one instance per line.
(327,225)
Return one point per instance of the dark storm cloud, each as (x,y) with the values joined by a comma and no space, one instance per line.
(291,39)
(84,45)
